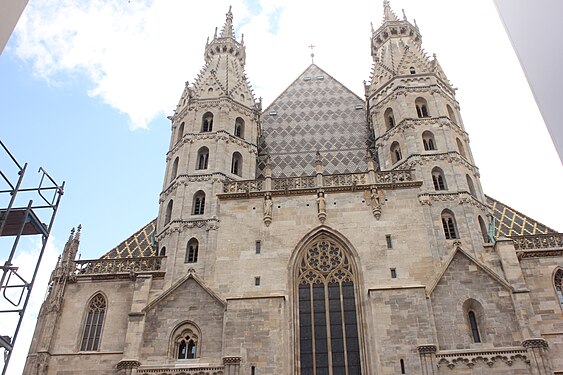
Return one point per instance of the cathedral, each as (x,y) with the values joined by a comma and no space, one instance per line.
(327,234)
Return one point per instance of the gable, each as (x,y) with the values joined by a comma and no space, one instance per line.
(315,113)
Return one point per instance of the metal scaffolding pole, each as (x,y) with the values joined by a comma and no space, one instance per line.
(17,220)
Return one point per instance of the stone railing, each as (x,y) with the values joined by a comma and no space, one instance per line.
(215,370)
(490,356)
(539,241)
(293,183)
(336,181)
(244,186)
(118,265)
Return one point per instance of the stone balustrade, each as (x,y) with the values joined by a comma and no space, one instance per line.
(490,357)
(118,265)
(348,181)
(539,245)
(538,241)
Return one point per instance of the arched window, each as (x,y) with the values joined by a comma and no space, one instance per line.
(236,165)
(428,141)
(198,203)
(412,70)
(438,179)
(202,158)
(163,251)
(396,152)
(389,118)
(474,327)
(186,342)
(180,133)
(168,212)
(470,185)
(174,171)
(460,147)
(559,286)
(421,107)
(484,231)
(474,317)
(239,127)
(192,251)
(451,113)
(449,225)
(94,323)
(327,309)
(207,122)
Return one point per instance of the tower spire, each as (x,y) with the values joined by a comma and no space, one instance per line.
(227,31)
(388,14)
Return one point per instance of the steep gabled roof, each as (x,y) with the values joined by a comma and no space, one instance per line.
(509,222)
(140,244)
(315,113)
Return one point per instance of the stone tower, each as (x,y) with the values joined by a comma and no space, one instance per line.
(283,247)
(417,124)
(214,137)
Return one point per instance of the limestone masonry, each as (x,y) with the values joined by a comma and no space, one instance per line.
(326,234)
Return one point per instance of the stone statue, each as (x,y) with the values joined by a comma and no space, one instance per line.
(374,200)
(321,206)
(268,204)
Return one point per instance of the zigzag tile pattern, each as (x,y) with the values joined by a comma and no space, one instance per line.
(509,222)
(315,113)
(140,244)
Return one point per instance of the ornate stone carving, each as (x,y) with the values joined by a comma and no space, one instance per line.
(488,357)
(268,204)
(118,265)
(128,364)
(535,343)
(538,241)
(426,349)
(321,206)
(374,198)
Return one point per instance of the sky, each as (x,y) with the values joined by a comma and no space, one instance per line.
(85,88)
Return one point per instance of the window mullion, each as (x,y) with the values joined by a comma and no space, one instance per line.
(343,328)
(313,341)
(328,333)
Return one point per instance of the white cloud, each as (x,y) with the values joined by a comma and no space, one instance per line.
(26,261)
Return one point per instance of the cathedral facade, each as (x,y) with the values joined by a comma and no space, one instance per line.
(325,234)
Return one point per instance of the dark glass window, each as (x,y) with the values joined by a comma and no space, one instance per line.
(474,327)
(192,251)
(389,241)
(94,323)
(328,329)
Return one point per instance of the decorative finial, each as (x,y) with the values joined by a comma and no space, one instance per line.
(227,31)
(312,54)
(241,38)
(77,236)
(215,35)
(388,14)
(372,30)
(415,25)
(207,43)
(404,14)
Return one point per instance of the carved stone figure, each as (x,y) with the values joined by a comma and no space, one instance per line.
(321,206)
(268,204)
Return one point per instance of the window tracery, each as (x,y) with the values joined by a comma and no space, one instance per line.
(94,323)
(186,344)
(328,329)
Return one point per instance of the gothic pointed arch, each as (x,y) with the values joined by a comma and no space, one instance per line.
(558,283)
(327,305)
(93,322)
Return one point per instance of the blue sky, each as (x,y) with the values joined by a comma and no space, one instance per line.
(85,88)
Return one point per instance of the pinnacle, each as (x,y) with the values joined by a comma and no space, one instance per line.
(388,14)
(227,31)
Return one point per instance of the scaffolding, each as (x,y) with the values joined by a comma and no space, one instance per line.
(21,217)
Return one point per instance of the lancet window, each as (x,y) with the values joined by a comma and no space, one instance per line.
(236,165)
(389,118)
(186,343)
(239,127)
(199,203)
(328,323)
(428,141)
(168,212)
(438,179)
(94,323)
(192,251)
(559,285)
(207,122)
(202,158)
(421,108)
(396,152)
(449,225)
